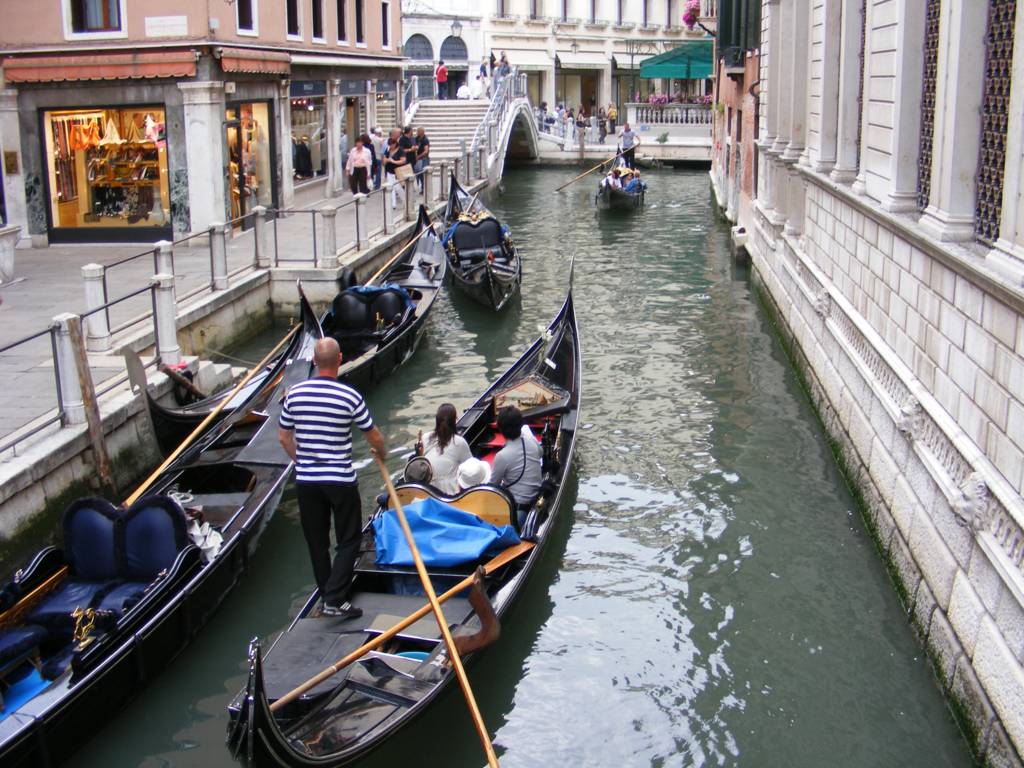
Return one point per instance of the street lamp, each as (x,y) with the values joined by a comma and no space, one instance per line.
(456,28)
(574,47)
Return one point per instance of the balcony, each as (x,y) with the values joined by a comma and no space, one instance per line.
(734,61)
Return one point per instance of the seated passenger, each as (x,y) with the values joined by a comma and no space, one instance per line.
(473,472)
(445,450)
(635,185)
(518,465)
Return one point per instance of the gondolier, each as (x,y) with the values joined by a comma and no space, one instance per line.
(630,141)
(315,430)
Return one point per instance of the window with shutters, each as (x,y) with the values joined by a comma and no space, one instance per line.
(995,110)
(343,22)
(317,20)
(360,26)
(292,26)
(931,58)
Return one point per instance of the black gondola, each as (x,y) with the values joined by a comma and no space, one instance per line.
(90,624)
(377,325)
(609,198)
(345,717)
(484,259)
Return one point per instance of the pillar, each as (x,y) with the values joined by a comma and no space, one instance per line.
(335,162)
(329,252)
(860,181)
(845,169)
(165,319)
(442,188)
(783,77)
(9,237)
(164,251)
(64,362)
(218,257)
(283,106)
(410,198)
(261,237)
(799,58)
(371,104)
(204,138)
(14,180)
(821,154)
(1008,255)
(363,219)
(97,331)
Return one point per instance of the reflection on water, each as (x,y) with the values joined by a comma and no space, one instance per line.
(710,596)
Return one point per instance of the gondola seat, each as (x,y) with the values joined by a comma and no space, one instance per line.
(354,314)
(473,241)
(19,644)
(488,502)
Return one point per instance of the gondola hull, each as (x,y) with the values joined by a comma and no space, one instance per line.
(485,280)
(239,472)
(382,706)
(618,199)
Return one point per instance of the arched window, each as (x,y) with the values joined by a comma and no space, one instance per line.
(418,48)
(454,49)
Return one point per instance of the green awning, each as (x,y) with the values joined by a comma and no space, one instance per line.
(691,60)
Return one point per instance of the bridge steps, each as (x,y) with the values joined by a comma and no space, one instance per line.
(448,123)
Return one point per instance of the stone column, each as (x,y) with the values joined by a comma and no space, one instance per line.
(860,182)
(164,251)
(283,106)
(783,78)
(165,320)
(70,384)
(97,331)
(335,162)
(845,169)
(261,237)
(14,182)
(329,250)
(442,188)
(371,104)
(205,142)
(770,88)
(410,198)
(362,219)
(9,237)
(1008,255)
(799,59)
(218,256)
(956,141)
(821,155)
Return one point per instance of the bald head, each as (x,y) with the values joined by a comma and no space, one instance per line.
(327,356)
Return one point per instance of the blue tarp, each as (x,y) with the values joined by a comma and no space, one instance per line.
(372,290)
(445,536)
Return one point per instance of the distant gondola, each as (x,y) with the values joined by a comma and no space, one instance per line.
(484,259)
(610,198)
(343,718)
(87,626)
(377,325)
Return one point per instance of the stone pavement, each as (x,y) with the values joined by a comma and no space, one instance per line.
(48,282)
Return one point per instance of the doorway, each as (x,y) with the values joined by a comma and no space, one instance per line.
(251,179)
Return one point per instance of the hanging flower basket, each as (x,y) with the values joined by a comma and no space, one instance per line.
(691,14)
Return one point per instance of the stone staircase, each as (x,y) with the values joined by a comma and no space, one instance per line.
(446,122)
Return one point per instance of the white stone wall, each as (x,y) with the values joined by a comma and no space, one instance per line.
(910,335)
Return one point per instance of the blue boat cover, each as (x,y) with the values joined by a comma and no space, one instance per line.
(445,536)
(373,290)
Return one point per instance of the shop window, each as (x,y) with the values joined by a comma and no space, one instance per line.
(309,129)
(292,18)
(250,170)
(317,20)
(385,25)
(107,168)
(246,10)
(342,29)
(360,31)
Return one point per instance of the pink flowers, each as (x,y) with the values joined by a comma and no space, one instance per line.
(691,13)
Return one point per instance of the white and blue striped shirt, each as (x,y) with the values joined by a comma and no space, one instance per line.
(321,411)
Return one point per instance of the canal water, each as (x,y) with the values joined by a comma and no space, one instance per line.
(712,596)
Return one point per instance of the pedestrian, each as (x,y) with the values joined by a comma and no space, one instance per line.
(394,158)
(477,88)
(315,430)
(360,161)
(441,75)
(613,115)
(422,154)
(377,145)
(630,141)
(602,125)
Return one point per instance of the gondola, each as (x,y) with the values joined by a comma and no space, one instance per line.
(484,260)
(377,325)
(618,199)
(368,702)
(88,625)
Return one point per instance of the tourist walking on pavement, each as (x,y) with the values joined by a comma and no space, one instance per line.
(422,154)
(360,161)
(613,115)
(394,158)
(377,145)
(602,125)
(630,141)
(441,75)
(315,430)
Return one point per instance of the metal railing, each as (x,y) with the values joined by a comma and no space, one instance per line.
(21,432)
(507,90)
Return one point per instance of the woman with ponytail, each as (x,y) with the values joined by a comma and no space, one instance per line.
(445,450)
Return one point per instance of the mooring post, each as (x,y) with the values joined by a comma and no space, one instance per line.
(328,256)
(67,371)
(90,408)
(165,319)
(218,256)
(492,133)
(482,162)
(410,191)
(261,234)
(97,329)
(457,170)
(362,219)
(385,197)
(467,159)
(427,174)
(164,257)
(443,186)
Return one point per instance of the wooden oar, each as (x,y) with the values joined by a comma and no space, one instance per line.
(394,258)
(504,558)
(442,623)
(587,173)
(209,419)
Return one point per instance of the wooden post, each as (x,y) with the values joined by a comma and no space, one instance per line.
(101,460)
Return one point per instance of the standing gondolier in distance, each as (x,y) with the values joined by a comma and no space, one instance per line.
(315,429)
(630,141)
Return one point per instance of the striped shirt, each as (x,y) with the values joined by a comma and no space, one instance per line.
(321,411)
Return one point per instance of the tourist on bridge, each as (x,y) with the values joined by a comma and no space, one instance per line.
(315,430)
(630,141)
(441,75)
(360,161)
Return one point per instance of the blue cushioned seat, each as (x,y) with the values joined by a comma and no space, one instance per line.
(55,611)
(122,597)
(17,643)
(149,538)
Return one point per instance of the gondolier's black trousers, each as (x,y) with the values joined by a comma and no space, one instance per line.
(629,157)
(318,502)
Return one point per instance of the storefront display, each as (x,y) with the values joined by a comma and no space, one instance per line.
(250,171)
(309,128)
(107,168)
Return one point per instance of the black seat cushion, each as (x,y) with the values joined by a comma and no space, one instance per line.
(16,643)
(389,304)
(349,312)
(356,311)
(151,535)
(480,235)
(89,534)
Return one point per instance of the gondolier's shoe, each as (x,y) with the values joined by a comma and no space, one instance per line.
(345,611)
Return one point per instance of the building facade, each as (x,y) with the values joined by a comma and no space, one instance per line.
(445,30)
(589,52)
(134,121)
(886,233)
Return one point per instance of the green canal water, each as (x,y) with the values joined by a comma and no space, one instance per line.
(711,596)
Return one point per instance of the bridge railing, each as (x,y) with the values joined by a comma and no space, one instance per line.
(669,114)
(508,89)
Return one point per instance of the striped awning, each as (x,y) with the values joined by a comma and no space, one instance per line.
(255,60)
(110,66)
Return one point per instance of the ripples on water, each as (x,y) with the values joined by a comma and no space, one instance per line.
(711,597)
